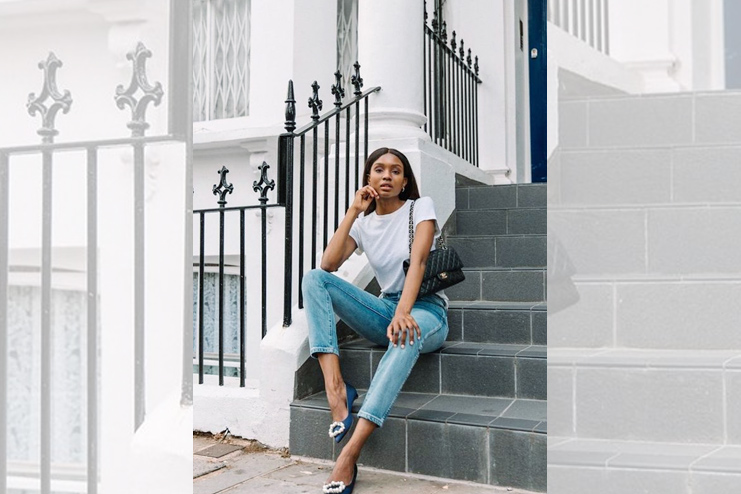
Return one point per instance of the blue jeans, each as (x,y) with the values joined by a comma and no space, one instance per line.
(325,294)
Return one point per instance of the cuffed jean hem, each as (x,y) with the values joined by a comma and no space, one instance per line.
(322,349)
(372,418)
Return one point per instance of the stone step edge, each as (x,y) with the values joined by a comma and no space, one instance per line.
(493,235)
(445,417)
(507,208)
(555,206)
(706,458)
(491,305)
(570,150)
(467,348)
(596,278)
(644,359)
(505,268)
(487,186)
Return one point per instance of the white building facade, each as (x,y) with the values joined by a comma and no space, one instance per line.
(307,41)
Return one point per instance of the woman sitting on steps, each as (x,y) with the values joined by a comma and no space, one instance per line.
(397,319)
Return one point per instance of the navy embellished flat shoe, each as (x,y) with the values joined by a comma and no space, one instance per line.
(337,430)
(339,487)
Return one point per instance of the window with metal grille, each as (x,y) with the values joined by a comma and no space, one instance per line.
(347,38)
(221,59)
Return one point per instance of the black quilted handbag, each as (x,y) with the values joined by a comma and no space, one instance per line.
(443,269)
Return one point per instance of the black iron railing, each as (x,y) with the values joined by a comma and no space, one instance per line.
(314,227)
(451,92)
(350,112)
(81,462)
(222,189)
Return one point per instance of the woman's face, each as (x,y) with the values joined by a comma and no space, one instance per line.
(387,176)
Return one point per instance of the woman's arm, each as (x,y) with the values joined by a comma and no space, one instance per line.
(403,319)
(342,245)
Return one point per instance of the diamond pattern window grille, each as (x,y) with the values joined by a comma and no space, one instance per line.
(221,59)
(347,40)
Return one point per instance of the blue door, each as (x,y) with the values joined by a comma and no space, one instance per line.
(538,89)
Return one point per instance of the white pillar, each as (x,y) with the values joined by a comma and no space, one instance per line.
(390,51)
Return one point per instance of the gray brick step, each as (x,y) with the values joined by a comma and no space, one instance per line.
(501,196)
(669,176)
(604,394)
(601,465)
(501,285)
(497,441)
(500,250)
(520,323)
(654,120)
(502,221)
(515,371)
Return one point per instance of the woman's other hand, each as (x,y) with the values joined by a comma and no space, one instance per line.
(363,198)
(403,324)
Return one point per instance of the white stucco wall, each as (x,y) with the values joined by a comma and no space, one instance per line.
(481,24)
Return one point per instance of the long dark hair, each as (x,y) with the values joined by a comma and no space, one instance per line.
(410,189)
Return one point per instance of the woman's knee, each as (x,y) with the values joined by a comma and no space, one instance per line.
(314,278)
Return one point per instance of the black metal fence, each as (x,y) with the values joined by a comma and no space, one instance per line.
(451,92)
(312,192)
(350,111)
(222,189)
(85,468)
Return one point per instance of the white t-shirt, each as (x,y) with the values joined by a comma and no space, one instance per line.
(385,240)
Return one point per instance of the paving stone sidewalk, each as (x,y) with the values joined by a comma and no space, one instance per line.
(251,468)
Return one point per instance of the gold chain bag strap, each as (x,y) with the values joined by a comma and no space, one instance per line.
(443,269)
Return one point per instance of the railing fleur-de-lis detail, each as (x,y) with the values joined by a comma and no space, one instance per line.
(290,123)
(223,187)
(462,51)
(59,101)
(264,185)
(337,90)
(314,102)
(152,93)
(468,58)
(452,42)
(476,65)
(356,80)
(444,33)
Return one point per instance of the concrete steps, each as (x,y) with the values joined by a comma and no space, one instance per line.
(476,408)
(519,369)
(582,466)
(513,323)
(651,120)
(644,371)
(497,441)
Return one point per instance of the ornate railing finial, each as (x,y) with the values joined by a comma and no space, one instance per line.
(452,43)
(264,184)
(425,12)
(60,101)
(468,58)
(434,21)
(462,52)
(337,90)
(444,33)
(476,66)
(290,109)
(290,123)
(223,187)
(152,93)
(314,102)
(356,80)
